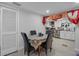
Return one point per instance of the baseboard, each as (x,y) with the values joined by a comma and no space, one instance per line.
(5,52)
(11,53)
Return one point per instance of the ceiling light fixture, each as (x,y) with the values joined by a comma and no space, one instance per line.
(47,11)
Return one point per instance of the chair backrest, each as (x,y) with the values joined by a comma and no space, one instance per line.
(49,41)
(40,34)
(47,32)
(33,32)
(25,38)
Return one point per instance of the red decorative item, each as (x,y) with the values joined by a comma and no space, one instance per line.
(74,20)
(78,14)
(44,20)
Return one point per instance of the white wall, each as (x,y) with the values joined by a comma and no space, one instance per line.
(29,21)
(77,40)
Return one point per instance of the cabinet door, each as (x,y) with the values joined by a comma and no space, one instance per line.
(62,34)
(68,35)
(72,35)
(9,31)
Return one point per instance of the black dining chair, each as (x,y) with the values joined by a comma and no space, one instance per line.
(33,32)
(27,45)
(48,43)
(40,34)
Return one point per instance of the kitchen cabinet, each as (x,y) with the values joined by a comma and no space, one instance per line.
(67,35)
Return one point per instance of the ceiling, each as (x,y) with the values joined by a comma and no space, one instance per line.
(41,7)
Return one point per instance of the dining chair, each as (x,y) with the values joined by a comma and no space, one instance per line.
(40,34)
(27,45)
(33,32)
(48,43)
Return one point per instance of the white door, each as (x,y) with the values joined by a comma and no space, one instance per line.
(8,31)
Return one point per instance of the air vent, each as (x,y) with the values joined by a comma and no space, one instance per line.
(17,4)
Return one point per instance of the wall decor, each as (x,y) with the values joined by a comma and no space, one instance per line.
(73,16)
(44,20)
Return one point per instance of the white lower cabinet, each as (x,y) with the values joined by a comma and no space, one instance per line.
(67,35)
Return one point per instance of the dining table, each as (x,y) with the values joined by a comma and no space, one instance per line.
(36,41)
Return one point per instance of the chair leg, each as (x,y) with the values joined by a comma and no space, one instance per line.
(46,51)
(28,53)
(24,51)
(50,49)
